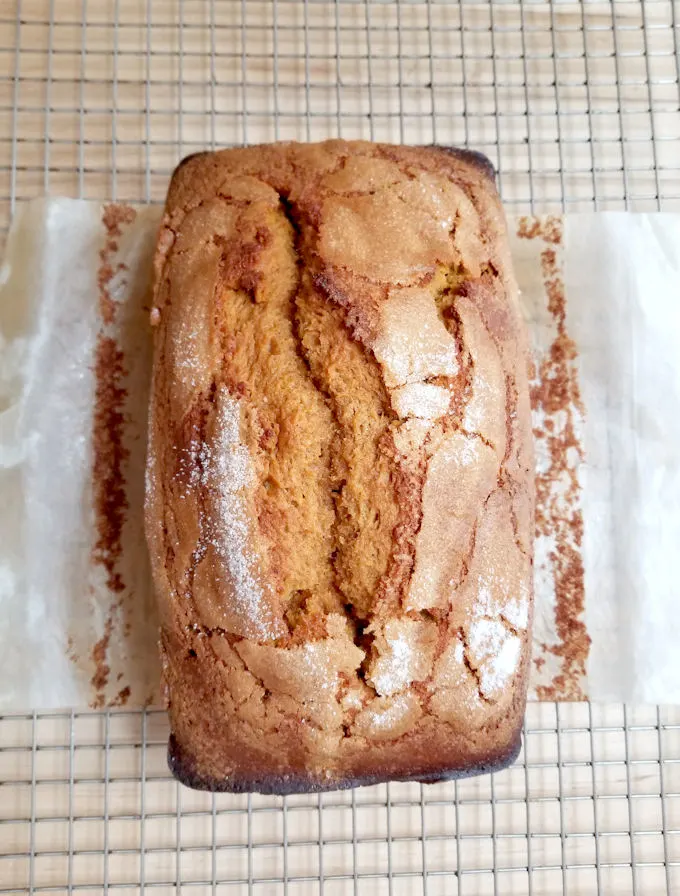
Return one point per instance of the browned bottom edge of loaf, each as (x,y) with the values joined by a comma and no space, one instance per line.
(183,769)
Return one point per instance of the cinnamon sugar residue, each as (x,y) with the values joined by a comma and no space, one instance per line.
(556,402)
(115,214)
(113,217)
(110,500)
(110,454)
(102,670)
(549,229)
(121,698)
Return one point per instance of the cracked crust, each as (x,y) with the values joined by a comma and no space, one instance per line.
(339,486)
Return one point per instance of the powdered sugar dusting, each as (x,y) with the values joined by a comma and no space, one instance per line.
(223,467)
(385,718)
(410,436)
(353,700)
(513,609)
(423,400)
(315,662)
(516,612)
(486,637)
(231,473)
(405,655)
(495,672)
(189,353)
(476,410)
(392,671)
(494,652)
(413,343)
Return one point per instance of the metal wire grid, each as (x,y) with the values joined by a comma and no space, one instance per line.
(593,806)
(577,105)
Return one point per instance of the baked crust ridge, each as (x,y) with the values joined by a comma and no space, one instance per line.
(339,498)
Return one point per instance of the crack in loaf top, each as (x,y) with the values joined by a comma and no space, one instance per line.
(338,505)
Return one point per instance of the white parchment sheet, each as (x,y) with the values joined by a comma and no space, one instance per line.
(601,296)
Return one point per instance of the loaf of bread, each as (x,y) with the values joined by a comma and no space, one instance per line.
(339,485)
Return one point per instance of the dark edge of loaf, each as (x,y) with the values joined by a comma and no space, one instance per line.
(471,156)
(184,771)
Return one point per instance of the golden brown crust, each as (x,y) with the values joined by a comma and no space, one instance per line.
(339,495)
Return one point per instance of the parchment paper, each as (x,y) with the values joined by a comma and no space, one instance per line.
(77,623)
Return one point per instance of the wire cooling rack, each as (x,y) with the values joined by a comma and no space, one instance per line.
(577,104)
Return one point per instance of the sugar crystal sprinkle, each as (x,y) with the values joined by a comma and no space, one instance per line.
(392,712)
(225,469)
(494,651)
(494,673)
(393,671)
